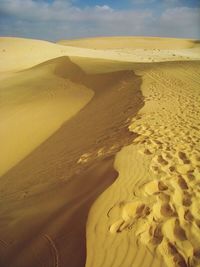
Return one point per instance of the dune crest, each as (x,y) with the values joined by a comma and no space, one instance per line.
(46,197)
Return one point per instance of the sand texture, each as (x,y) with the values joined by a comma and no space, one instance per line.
(159,175)
(100,153)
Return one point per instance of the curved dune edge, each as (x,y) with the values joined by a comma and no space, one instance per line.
(48,229)
(46,197)
(34,52)
(33,107)
(150,215)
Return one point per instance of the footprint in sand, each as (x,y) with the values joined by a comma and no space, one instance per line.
(130,213)
(154,187)
(172,256)
(146,151)
(182,158)
(172,194)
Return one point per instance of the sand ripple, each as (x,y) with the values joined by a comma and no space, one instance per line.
(158,204)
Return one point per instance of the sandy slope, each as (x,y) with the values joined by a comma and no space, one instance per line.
(152,210)
(33,105)
(57,183)
(150,215)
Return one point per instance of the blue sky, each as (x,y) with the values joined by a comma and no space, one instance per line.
(64,19)
(124,4)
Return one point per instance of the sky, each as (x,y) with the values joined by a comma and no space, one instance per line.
(68,19)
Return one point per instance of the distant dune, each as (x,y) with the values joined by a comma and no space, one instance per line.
(100,152)
(34,52)
(126,42)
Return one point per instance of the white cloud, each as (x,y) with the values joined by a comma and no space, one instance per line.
(181,14)
(172,1)
(63,11)
(141,2)
(183,21)
(62,19)
(104,8)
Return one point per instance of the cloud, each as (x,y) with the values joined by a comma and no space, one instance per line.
(159,3)
(141,2)
(31,10)
(182,14)
(183,21)
(104,8)
(172,2)
(62,19)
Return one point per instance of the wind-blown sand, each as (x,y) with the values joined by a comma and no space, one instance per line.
(71,126)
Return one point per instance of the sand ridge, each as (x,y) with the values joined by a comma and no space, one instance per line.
(45,212)
(159,175)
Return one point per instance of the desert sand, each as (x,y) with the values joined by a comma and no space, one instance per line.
(100,152)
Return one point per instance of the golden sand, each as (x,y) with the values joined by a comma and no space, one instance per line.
(77,116)
(154,204)
(126,42)
(35,51)
(34,104)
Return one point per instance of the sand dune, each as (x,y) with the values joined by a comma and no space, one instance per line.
(35,51)
(34,104)
(101,152)
(126,42)
(53,195)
